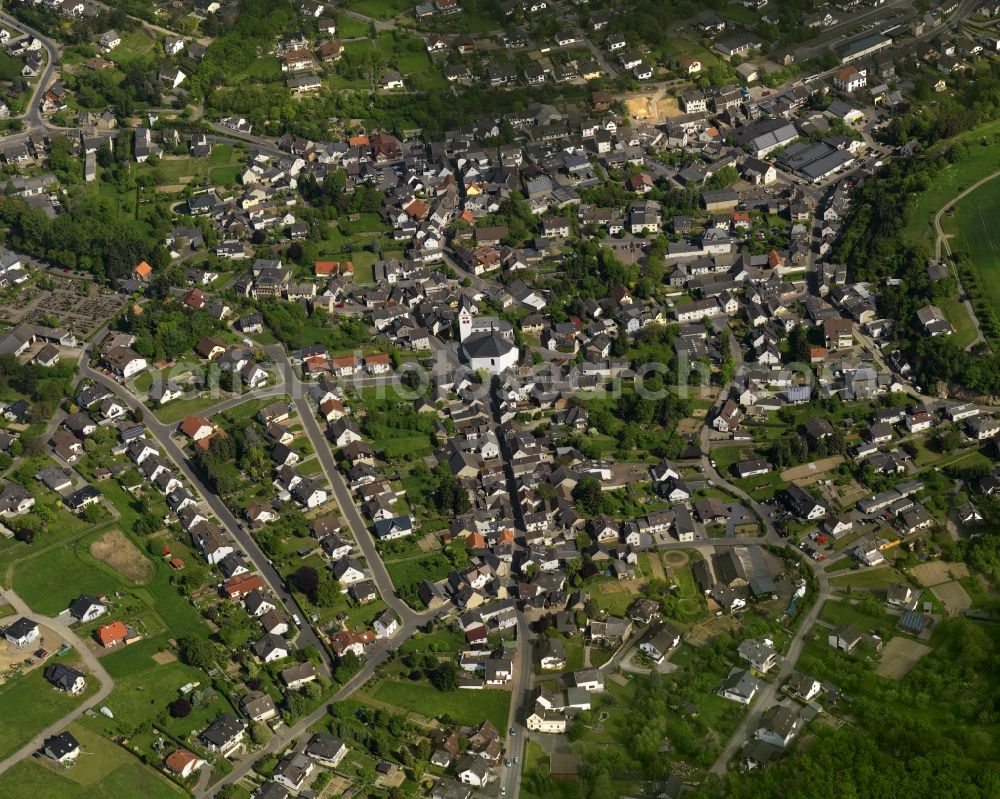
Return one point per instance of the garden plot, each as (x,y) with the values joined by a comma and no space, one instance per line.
(900,656)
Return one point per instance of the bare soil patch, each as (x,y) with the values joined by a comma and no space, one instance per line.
(13,659)
(641,107)
(116,551)
(900,656)
(953,597)
(164,657)
(814,469)
(939,571)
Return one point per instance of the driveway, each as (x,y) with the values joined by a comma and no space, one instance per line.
(90,661)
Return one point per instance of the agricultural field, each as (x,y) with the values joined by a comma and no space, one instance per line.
(900,656)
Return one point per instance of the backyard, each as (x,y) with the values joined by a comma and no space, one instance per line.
(29,704)
(465,707)
(103,770)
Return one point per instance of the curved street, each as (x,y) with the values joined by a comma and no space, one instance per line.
(90,660)
(941,244)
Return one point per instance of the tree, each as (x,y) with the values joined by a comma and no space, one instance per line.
(445,676)
(347,666)
(296,704)
(197,652)
(327,593)
(306,580)
(259,733)
(180,708)
(587,494)
(92,513)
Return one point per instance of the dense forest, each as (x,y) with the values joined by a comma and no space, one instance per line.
(91,235)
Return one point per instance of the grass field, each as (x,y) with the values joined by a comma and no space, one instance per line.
(380,9)
(10,67)
(265,69)
(975,235)
(955,311)
(135,44)
(465,707)
(407,574)
(221,167)
(351,27)
(615,602)
(179,409)
(144,687)
(29,704)
(881,577)
(951,179)
(843,613)
(50,581)
(102,770)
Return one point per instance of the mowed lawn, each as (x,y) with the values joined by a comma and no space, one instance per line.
(29,704)
(144,688)
(102,770)
(53,579)
(465,707)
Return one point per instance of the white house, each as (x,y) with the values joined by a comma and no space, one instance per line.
(62,748)
(87,608)
(386,624)
(850,78)
(21,633)
(659,645)
(739,686)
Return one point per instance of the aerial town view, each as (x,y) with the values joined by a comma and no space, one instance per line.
(499,399)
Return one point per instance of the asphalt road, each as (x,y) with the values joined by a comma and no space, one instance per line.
(377,654)
(33,116)
(510,778)
(362,535)
(90,661)
(162,433)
